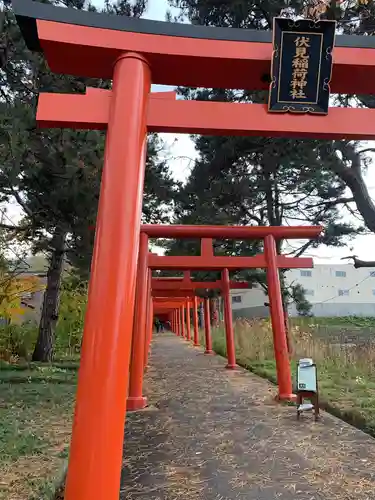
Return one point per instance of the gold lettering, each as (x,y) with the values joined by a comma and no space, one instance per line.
(301,53)
(300,74)
(300,65)
(297,94)
(302,41)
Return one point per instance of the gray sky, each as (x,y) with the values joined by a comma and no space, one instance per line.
(181,151)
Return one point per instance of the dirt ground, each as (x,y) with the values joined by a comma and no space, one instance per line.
(210,433)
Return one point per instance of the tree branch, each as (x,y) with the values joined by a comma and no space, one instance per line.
(367,150)
(14,228)
(360,263)
(332,203)
(303,248)
(353,178)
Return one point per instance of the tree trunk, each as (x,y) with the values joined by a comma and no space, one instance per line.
(353,178)
(365,205)
(45,343)
(361,263)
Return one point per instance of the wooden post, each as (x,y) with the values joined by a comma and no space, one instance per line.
(229,333)
(284,378)
(195,321)
(136,400)
(98,431)
(207,326)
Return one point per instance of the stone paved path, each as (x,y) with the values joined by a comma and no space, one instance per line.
(210,433)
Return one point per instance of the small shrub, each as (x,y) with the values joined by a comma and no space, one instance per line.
(17,341)
(71,319)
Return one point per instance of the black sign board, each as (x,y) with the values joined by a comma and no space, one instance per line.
(301,66)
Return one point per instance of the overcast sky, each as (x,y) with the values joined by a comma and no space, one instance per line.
(182,152)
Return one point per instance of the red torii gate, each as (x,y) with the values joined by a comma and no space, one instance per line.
(208,261)
(177,318)
(186,287)
(135,52)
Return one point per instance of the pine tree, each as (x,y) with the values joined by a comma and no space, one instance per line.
(54,175)
(345,160)
(261,181)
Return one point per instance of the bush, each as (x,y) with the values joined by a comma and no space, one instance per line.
(17,341)
(69,328)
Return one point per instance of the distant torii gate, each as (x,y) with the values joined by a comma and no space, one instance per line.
(186,287)
(134,52)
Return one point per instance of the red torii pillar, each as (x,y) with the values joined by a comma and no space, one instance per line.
(136,400)
(207,326)
(188,324)
(182,312)
(150,321)
(174,322)
(207,252)
(195,321)
(277,317)
(102,376)
(178,322)
(229,333)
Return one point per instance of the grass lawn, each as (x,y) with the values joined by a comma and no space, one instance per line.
(346,376)
(36,406)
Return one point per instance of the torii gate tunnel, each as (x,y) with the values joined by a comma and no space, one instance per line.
(176,294)
(184,287)
(134,53)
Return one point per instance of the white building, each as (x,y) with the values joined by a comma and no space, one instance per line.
(333,290)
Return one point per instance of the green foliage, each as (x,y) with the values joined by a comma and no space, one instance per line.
(71,318)
(17,341)
(352,16)
(298,296)
(255,180)
(54,175)
(347,321)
